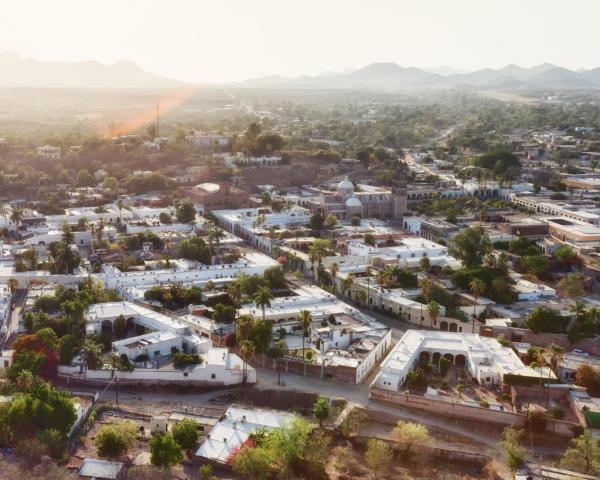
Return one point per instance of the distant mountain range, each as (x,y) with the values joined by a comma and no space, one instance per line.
(16,71)
(390,76)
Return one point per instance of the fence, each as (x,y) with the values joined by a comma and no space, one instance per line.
(457,410)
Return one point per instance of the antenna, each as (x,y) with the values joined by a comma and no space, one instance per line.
(157,121)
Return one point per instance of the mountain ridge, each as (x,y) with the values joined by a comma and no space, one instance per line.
(391,76)
(18,71)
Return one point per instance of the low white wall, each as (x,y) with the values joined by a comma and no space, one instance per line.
(201,374)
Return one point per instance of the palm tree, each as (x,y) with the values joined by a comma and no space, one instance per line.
(382,279)
(539,362)
(247,350)
(556,353)
(425,286)
(579,309)
(17,217)
(243,328)
(305,320)
(433,308)
(333,270)
(100,231)
(83,224)
(234,290)
(347,285)
(120,207)
(477,287)
(262,298)
(67,234)
(13,284)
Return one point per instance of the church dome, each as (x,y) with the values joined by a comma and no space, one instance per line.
(345,186)
(353,202)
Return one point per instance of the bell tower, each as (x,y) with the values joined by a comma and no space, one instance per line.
(399,188)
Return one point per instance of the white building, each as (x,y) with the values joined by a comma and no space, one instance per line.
(340,335)
(485,358)
(410,247)
(132,285)
(151,345)
(236,427)
(103,315)
(48,152)
(207,140)
(254,225)
(530,291)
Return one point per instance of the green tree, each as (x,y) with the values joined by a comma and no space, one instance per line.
(535,264)
(262,299)
(252,464)
(247,350)
(565,254)
(185,433)
(471,246)
(321,410)
(261,335)
(477,287)
(185,212)
(378,456)
(67,348)
(572,285)
(583,455)
(543,319)
(331,221)
(120,326)
(433,309)
(205,472)
(115,439)
(288,446)
(305,319)
(588,377)
(514,454)
(369,239)
(92,352)
(410,434)
(165,451)
(317,221)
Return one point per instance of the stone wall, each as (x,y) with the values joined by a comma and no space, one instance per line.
(514,334)
(456,410)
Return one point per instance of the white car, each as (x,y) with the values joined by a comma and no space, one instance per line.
(580,352)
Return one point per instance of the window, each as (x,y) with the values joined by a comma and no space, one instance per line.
(213,376)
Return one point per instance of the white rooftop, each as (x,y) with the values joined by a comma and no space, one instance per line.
(229,434)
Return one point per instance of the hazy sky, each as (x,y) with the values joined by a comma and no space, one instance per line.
(223,40)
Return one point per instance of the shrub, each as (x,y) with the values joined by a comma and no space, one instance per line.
(185,433)
(182,360)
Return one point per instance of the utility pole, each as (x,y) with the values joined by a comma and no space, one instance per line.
(117,394)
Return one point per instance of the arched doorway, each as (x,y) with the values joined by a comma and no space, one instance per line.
(453,327)
(436,358)
(449,356)
(106,325)
(424,357)
(130,323)
(444,326)
(460,360)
